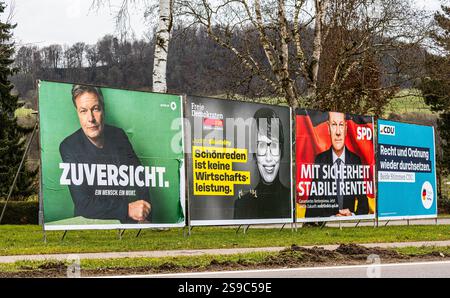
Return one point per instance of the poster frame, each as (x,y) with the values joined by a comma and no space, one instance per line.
(409,217)
(340,219)
(47,227)
(236,222)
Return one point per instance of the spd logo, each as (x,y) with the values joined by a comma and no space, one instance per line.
(387,130)
(364,133)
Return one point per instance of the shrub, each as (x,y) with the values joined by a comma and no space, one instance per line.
(20,213)
(443,205)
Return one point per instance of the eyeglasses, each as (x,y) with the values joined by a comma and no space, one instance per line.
(273,147)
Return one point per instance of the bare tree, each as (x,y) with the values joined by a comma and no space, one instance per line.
(162,37)
(78,50)
(52,56)
(317,51)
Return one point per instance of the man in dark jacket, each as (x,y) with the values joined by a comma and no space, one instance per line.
(96,151)
(337,156)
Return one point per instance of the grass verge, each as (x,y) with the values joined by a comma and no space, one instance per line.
(16,240)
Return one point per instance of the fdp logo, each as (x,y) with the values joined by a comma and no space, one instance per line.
(427,195)
(387,130)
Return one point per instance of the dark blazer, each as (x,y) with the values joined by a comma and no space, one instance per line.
(266,202)
(117,150)
(326,158)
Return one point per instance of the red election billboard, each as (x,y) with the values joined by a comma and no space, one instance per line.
(335,164)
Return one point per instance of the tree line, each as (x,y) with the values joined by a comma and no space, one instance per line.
(352,56)
(197,65)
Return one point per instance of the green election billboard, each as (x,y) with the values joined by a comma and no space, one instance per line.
(110,158)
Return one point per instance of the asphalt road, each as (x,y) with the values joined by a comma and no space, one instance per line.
(398,270)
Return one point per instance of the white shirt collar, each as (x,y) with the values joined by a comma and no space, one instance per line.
(342,157)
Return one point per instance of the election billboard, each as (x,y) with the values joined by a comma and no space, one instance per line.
(239,162)
(335,166)
(111,158)
(406,171)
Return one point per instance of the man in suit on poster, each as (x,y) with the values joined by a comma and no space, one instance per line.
(338,155)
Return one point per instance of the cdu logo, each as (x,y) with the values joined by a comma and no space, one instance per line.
(387,130)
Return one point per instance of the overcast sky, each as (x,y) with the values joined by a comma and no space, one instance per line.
(44,22)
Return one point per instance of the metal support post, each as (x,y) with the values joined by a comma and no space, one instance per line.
(63,236)
(138,233)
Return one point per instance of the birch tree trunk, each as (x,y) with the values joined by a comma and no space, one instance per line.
(162,46)
(321,7)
